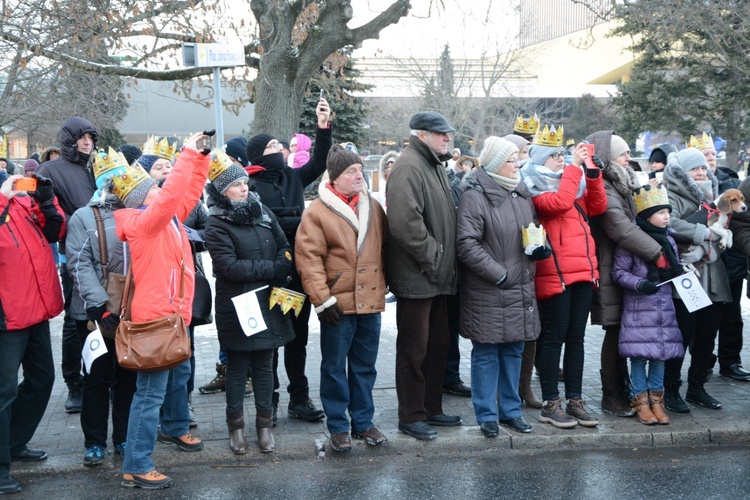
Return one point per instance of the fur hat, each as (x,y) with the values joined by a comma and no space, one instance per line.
(617,146)
(539,154)
(690,158)
(339,159)
(495,153)
(256,145)
(130,152)
(236,148)
(147,161)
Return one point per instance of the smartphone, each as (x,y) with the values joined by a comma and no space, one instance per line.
(207,141)
(322,93)
(592,151)
(25,184)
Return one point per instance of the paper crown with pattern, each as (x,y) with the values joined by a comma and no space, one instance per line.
(162,149)
(109,161)
(3,146)
(528,125)
(124,182)
(220,161)
(549,136)
(705,142)
(649,196)
(570,142)
(533,235)
(286,299)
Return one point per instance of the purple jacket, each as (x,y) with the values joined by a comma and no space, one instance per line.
(649,324)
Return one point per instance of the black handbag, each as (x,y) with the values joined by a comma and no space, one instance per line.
(202,300)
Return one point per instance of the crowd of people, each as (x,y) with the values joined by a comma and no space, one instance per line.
(514,249)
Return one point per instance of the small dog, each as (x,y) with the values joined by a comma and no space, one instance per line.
(716,215)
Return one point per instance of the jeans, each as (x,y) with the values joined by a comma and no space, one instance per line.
(261,363)
(655,379)
(165,390)
(295,352)
(355,340)
(106,374)
(452,362)
(495,370)
(22,405)
(564,319)
(71,344)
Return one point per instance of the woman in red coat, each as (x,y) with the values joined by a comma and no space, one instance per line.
(564,198)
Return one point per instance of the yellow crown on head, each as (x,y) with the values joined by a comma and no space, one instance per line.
(162,149)
(649,196)
(106,162)
(124,182)
(705,142)
(220,161)
(3,146)
(549,136)
(527,125)
(570,142)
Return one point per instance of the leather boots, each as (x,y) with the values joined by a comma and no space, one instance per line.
(656,400)
(264,428)
(614,393)
(640,405)
(236,426)
(524,384)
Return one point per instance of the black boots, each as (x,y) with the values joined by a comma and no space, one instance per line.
(697,394)
(672,399)
(615,398)
(75,397)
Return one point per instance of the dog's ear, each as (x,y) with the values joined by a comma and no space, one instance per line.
(723,204)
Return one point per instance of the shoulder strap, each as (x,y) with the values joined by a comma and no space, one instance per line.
(103,254)
(126,292)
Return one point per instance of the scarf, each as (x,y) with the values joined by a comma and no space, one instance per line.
(505,182)
(540,179)
(660,234)
(240,213)
(274,161)
(351,201)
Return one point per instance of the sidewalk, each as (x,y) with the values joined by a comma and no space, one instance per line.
(60,435)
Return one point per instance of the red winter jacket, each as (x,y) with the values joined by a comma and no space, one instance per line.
(565,219)
(158,246)
(29,286)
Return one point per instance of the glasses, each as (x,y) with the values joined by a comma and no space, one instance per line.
(558,155)
(274,144)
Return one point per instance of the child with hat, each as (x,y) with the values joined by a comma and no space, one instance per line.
(650,334)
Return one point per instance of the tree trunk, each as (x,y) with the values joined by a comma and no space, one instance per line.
(279,99)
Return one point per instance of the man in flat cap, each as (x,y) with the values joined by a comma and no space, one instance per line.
(421,264)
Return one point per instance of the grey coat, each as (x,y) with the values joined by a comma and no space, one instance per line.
(84,258)
(421,244)
(489,246)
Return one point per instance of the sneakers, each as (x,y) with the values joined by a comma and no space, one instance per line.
(577,410)
(552,413)
(94,455)
(218,382)
(73,404)
(188,442)
(248,387)
(149,481)
(372,436)
(305,411)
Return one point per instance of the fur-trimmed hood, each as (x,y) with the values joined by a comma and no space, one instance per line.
(390,155)
(360,223)
(681,182)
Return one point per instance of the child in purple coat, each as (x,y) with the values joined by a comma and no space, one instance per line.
(649,334)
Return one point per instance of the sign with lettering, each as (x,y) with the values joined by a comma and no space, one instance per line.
(213,55)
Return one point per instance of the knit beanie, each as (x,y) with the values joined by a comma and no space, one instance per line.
(658,155)
(495,153)
(539,154)
(30,166)
(232,174)
(690,158)
(147,161)
(131,153)
(617,146)
(256,145)
(519,141)
(237,149)
(339,159)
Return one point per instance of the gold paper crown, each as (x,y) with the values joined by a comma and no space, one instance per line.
(106,162)
(549,136)
(125,182)
(570,142)
(533,235)
(527,125)
(220,161)
(705,142)
(286,299)
(649,196)
(3,146)
(162,149)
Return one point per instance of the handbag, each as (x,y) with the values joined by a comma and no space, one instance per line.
(156,345)
(114,283)
(202,300)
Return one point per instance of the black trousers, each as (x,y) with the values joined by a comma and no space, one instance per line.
(698,335)
(295,354)
(71,344)
(238,363)
(730,329)
(453,361)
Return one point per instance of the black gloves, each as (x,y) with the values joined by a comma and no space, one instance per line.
(331,315)
(108,320)
(541,253)
(95,313)
(44,193)
(597,161)
(647,287)
(280,273)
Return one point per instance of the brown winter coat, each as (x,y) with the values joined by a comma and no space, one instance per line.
(489,246)
(340,255)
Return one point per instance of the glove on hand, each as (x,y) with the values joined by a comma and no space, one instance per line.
(597,161)
(331,315)
(44,193)
(281,273)
(693,255)
(647,287)
(95,313)
(541,253)
(110,321)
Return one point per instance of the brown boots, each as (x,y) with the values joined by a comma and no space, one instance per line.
(236,426)
(264,427)
(650,407)
(524,384)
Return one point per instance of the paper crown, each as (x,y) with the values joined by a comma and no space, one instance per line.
(705,142)
(106,162)
(527,125)
(125,181)
(162,149)
(3,146)
(570,142)
(286,299)
(649,196)
(220,161)
(533,235)
(549,136)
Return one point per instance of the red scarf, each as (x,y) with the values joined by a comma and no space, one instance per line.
(352,201)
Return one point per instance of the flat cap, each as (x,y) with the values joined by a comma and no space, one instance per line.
(431,121)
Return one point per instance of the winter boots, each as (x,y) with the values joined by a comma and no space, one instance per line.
(217,384)
(642,408)
(236,426)
(524,384)
(697,394)
(264,428)
(656,401)
(615,398)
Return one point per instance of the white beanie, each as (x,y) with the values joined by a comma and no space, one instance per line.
(495,153)
(690,158)
(617,147)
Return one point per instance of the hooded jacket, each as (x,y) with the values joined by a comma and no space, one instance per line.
(243,256)
(615,228)
(421,248)
(489,246)
(302,155)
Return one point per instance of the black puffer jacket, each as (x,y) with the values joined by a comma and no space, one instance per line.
(733,258)
(243,256)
